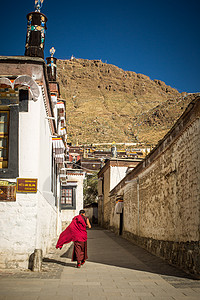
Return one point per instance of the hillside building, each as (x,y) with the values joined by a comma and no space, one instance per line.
(92,159)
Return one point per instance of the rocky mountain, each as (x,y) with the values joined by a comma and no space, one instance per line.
(155,123)
(106,103)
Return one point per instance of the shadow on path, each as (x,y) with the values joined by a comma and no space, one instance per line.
(104,247)
(142,260)
(55,261)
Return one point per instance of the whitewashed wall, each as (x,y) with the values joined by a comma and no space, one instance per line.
(116,175)
(31,222)
(18,231)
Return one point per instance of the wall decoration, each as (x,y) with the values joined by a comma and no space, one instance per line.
(7,191)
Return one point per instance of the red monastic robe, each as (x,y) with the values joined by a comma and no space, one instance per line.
(76,231)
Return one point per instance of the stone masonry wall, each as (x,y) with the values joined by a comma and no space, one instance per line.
(100,201)
(169,192)
(106,202)
(162,196)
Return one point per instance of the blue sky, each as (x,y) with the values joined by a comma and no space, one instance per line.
(160,39)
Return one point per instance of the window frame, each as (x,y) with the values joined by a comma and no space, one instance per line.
(5,135)
(12,169)
(69,206)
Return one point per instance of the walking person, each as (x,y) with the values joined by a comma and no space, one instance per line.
(77,233)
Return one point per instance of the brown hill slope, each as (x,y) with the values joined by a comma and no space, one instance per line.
(106,104)
(155,123)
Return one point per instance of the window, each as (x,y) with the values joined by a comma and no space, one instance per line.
(4,124)
(23,100)
(11,102)
(9,132)
(68,197)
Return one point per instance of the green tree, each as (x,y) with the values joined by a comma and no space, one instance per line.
(90,192)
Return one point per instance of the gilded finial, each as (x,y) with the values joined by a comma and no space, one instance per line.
(38,5)
(52,51)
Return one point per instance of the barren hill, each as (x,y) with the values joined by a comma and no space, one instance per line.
(106,104)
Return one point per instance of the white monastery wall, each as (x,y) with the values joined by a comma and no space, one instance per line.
(116,175)
(30,223)
(18,231)
(46,225)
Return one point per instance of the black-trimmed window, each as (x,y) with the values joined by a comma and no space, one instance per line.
(4,123)
(9,126)
(68,197)
(9,131)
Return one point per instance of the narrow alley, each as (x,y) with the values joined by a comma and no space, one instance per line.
(116,269)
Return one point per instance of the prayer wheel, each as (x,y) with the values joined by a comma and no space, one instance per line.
(35,37)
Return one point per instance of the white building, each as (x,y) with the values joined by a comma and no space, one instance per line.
(36,198)
(29,221)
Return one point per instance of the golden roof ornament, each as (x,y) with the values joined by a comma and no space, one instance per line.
(38,5)
(52,51)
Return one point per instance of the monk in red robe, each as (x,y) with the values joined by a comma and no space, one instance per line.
(77,233)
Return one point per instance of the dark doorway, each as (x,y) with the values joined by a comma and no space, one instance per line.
(121,222)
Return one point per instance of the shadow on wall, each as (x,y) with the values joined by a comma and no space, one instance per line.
(47,185)
(47,191)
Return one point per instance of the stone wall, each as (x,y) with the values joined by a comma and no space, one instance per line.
(162,196)
(92,214)
(100,210)
(106,203)
(114,218)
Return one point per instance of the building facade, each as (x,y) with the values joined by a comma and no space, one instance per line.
(28,213)
(109,176)
(39,192)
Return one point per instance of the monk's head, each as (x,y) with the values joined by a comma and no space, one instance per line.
(82,212)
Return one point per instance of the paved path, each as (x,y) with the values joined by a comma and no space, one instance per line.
(116,269)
